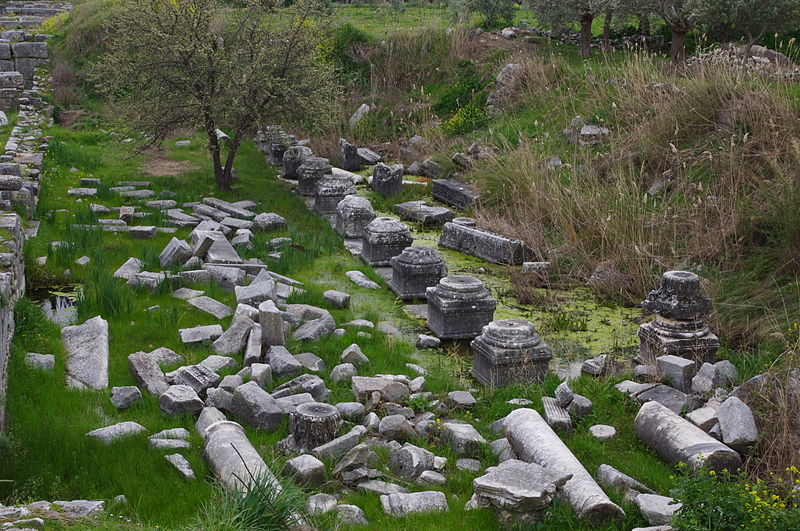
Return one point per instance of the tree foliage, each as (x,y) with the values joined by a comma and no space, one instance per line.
(178,64)
(559,13)
(494,12)
(750,18)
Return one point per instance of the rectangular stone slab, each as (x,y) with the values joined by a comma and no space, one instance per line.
(483,244)
(87,354)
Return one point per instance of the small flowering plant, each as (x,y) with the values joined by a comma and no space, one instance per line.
(722,501)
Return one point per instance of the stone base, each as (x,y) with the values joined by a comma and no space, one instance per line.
(381,255)
(686,339)
(460,325)
(529,365)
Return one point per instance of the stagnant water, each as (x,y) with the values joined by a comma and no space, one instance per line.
(59,304)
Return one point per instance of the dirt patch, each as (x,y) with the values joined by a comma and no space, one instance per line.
(157,164)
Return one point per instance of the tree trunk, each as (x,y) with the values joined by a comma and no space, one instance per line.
(315,424)
(213,148)
(644,23)
(751,40)
(227,171)
(607,30)
(678,47)
(586,35)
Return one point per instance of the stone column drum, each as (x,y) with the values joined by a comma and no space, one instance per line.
(383,239)
(459,307)
(353,214)
(415,270)
(510,351)
(330,191)
(294,157)
(310,173)
(679,327)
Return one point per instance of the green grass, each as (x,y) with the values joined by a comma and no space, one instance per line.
(52,459)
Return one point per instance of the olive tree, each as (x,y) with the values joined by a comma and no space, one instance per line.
(199,64)
(556,13)
(751,18)
(680,18)
(494,12)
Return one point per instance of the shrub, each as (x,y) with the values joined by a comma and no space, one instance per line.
(466,120)
(345,49)
(262,507)
(725,502)
(460,93)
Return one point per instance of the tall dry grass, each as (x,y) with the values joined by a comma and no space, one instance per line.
(722,145)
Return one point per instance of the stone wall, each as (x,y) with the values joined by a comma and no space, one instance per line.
(12,288)
(20,169)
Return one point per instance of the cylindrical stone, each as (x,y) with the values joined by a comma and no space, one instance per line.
(232,458)
(315,424)
(535,442)
(676,440)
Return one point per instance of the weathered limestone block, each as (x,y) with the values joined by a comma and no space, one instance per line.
(535,442)
(387,180)
(353,214)
(330,192)
(676,440)
(410,461)
(403,504)
(464,438)
(87,354)
(272,333)
(383,239)
(415,270)
(509,351)
(349,158)
(109,434)
(459,307)
(484,244)
(256,407)
(679,327)
(421,212)
(234,339)
(519,488)
(678,371)
(310,173)
(180,399)
(293,158)
(454,193)
(147,373)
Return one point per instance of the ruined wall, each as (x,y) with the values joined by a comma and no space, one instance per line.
(20,166)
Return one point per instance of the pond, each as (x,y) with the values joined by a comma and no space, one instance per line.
(58,303)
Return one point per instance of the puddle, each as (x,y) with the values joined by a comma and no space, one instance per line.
(59,304)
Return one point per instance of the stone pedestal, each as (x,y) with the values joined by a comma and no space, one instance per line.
(679,328)
(315,424)
(330,191)
(349,159)
(310,173)
(383,239)
(510,351)
(277,148)
(294,157)
(387,180)
(415,270)
(353,214)
(459,307)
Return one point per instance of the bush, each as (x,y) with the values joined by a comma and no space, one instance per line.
(496,13)
(725,502)
(344,49)
(460,93)
(261,508)
(466,120)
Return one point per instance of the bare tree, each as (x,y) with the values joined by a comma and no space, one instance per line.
(200,64)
